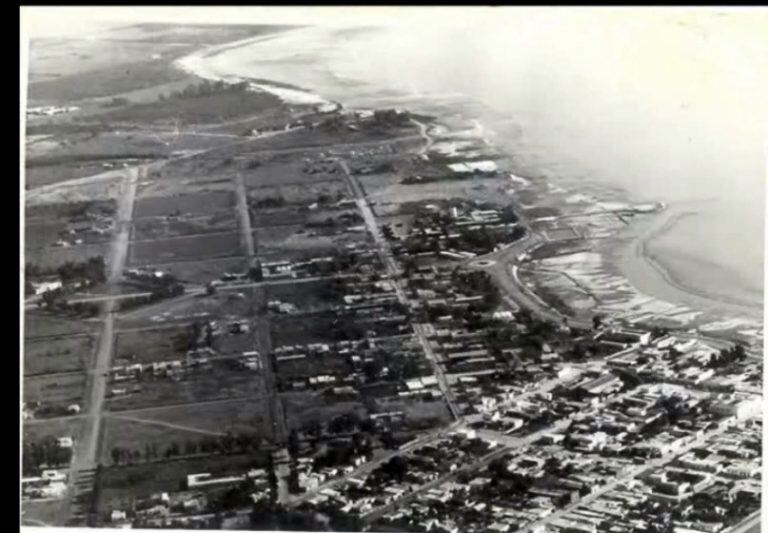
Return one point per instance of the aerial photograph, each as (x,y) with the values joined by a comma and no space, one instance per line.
(393,269)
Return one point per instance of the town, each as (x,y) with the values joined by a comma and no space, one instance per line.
(308,317)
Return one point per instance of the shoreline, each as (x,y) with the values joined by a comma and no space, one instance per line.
(640,265)
(634,261)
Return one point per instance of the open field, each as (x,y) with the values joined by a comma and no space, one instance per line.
(57,355)
(160,228)
(209,109)
(227,304)
(150,345)
(162,426)
(308,296)
(203,270)
(299,192)
(293,172)
(38,325)
(185,248)
(52,257)
(42,513)
(481,189)
(313,365)
(44,235)
(310,407)
(63,427)
(56,390)
(197,204)
(121,59)
(96,145)
(428,413)
(222,379)
(278,239)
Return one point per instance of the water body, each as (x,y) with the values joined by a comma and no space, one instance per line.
(666,106)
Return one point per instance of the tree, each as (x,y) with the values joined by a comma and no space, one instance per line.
(396,467)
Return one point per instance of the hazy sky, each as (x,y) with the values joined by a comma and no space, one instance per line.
(52,21)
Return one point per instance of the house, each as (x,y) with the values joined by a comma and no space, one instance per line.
(46,286)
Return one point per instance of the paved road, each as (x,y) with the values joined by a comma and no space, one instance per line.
(751,524)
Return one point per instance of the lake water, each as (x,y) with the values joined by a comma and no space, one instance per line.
(665,106)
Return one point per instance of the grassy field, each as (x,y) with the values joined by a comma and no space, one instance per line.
(185,248)
(38,513)
(38,325)
(309,407)
(50,257)
(164,425)
(301,192)
(220,381)
(44,235)
(307,296)
(160,228)
(42,429)
(57,390)
(150,345)
(57,355)
(223,305)
(209,109)
(203,270)
(276,240)
(196,204)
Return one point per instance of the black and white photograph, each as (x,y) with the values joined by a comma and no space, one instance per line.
(442,269)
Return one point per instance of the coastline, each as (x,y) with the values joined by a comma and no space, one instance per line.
(630,252)
(650,273)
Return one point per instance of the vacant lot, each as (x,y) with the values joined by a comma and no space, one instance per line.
(185,248)
(38,325)
(50,257)
(164,425)
(150,345)
(295,193)
(66,354)
(221,380)
(45,234)
(42,513)
(203,270)
(278,239)
(222,305)
(161,227)
(298,171)
(196,204)
(56,390)
(308,296)
(309,407)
